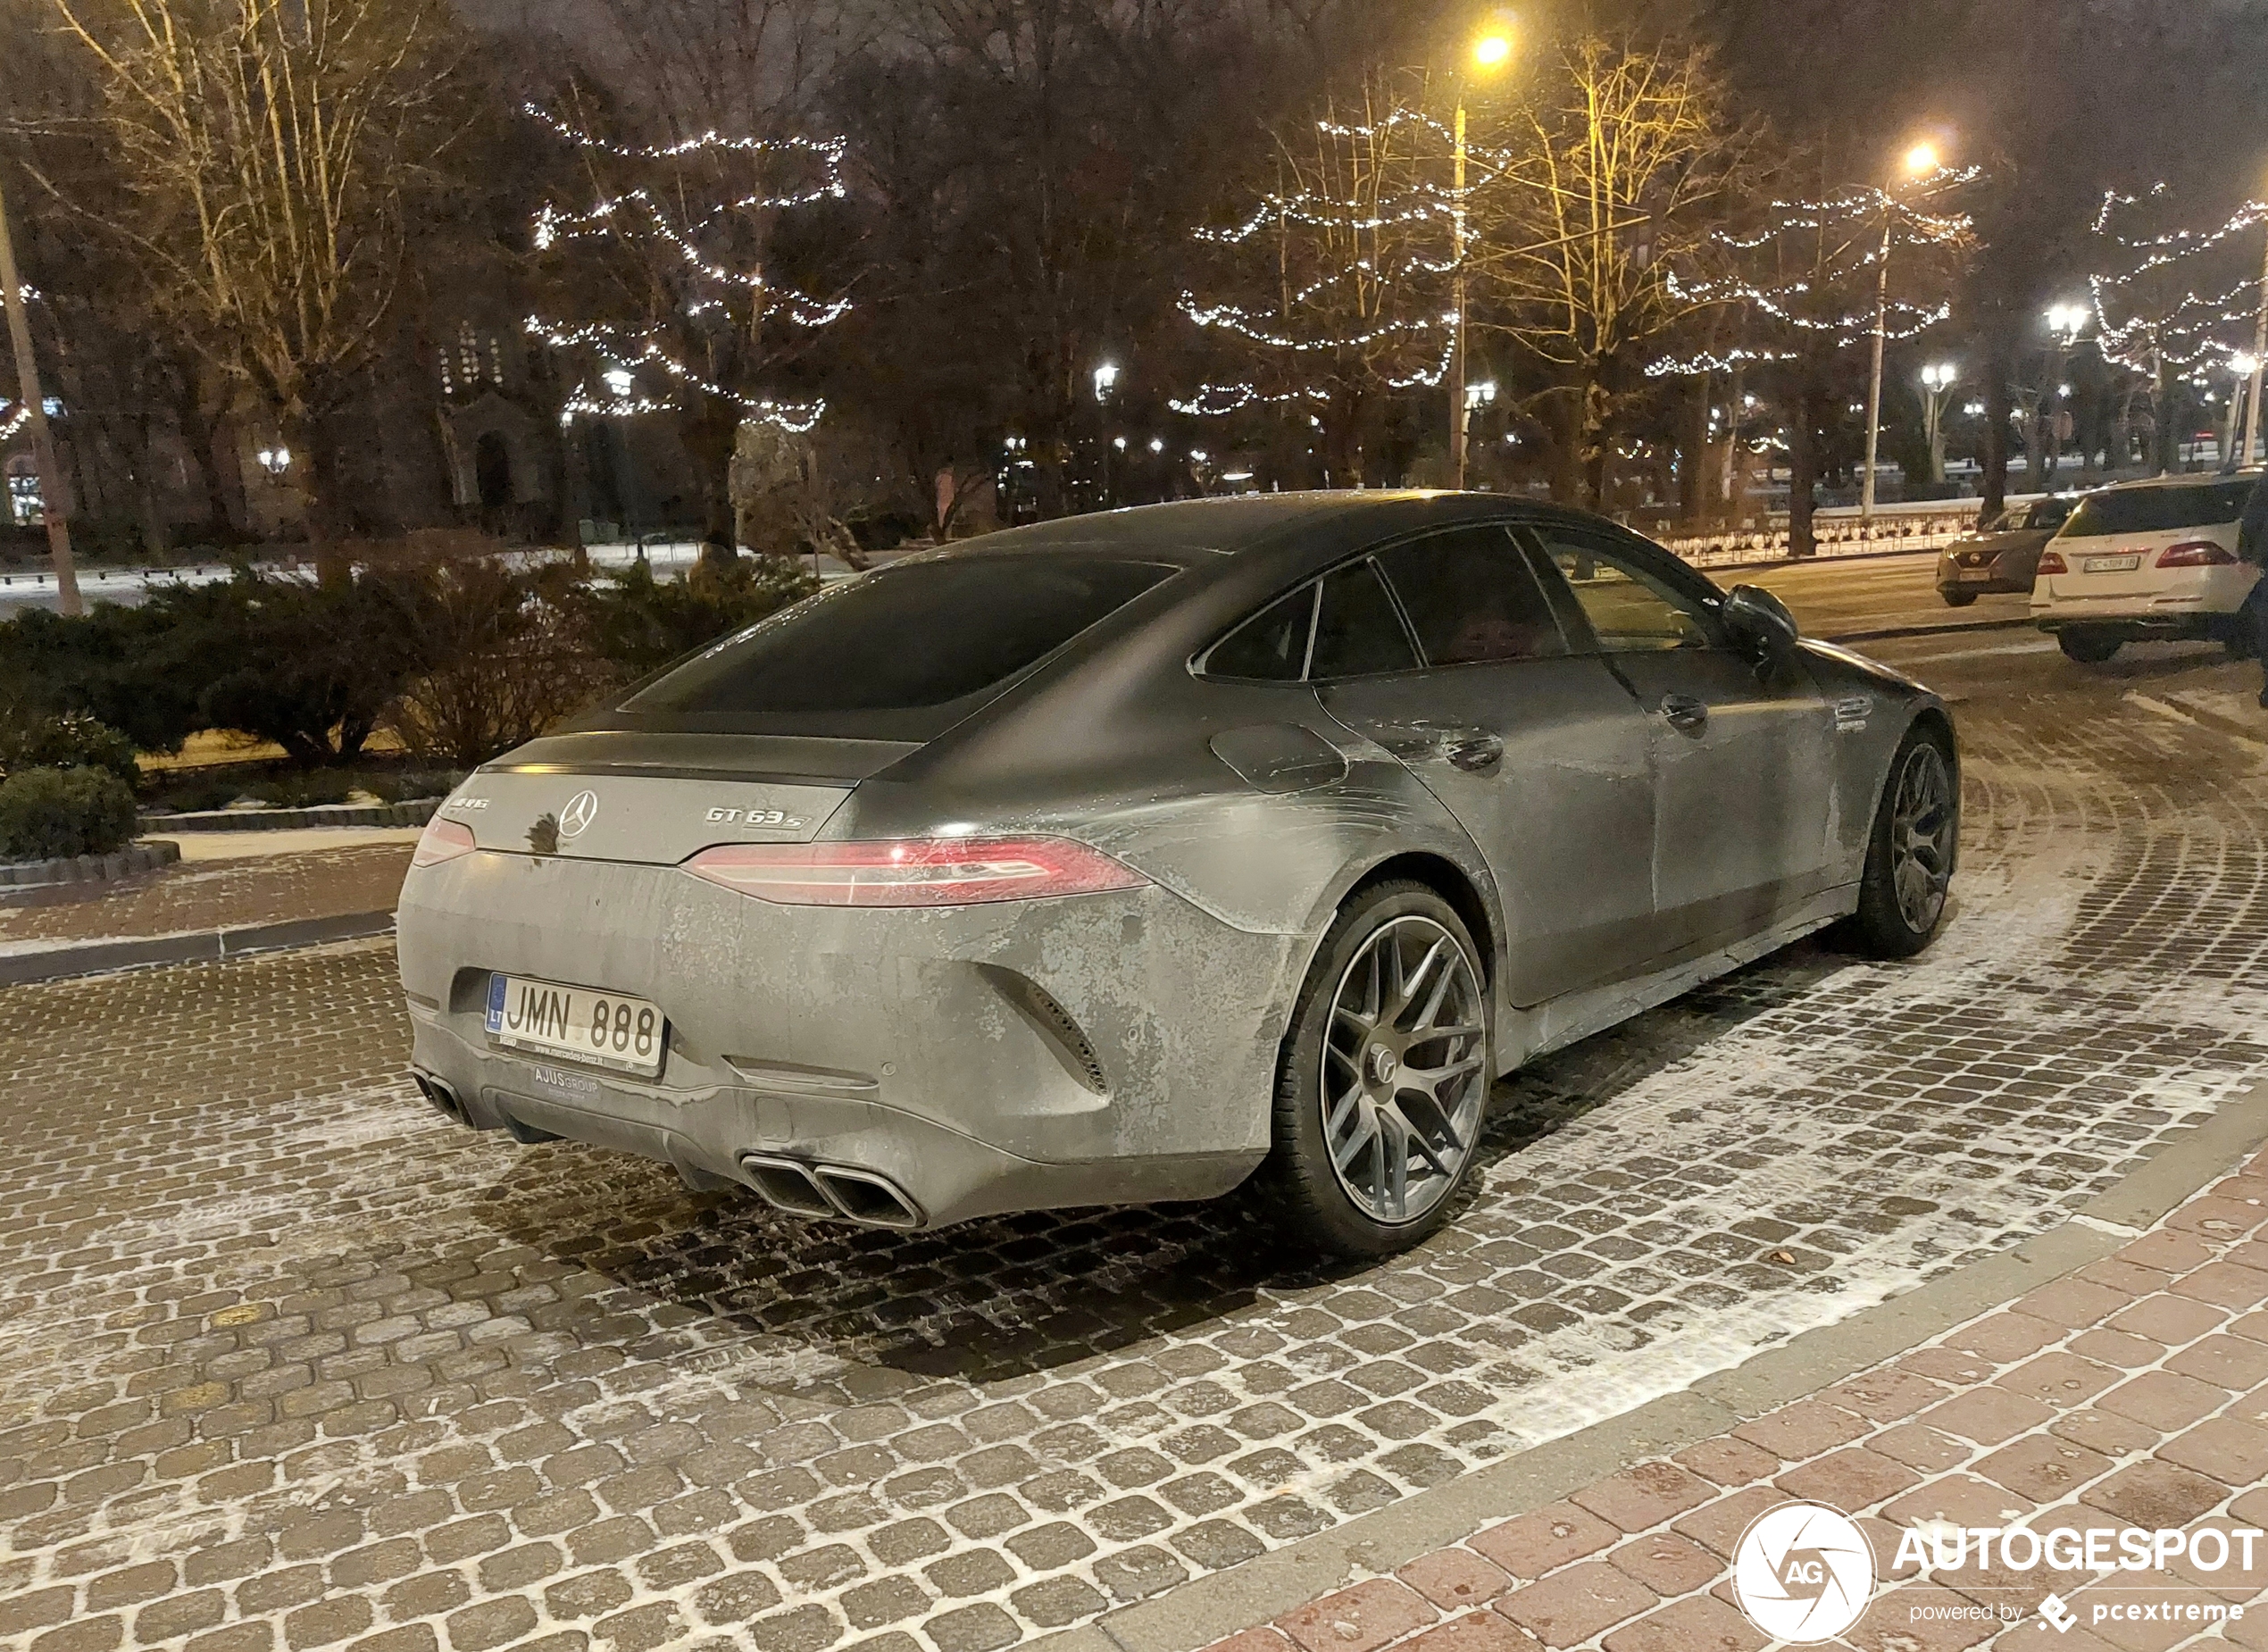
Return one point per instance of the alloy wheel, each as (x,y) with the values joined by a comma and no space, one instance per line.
(1922,827)
(1403,1070)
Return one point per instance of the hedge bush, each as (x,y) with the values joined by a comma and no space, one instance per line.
(63,740)
(48,814)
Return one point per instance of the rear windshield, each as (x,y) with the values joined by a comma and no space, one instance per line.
(900,654)
(2155,510)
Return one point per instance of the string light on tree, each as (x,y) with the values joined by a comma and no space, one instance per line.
(1357,252)
(1845,225)
(2151,314)
(696,214)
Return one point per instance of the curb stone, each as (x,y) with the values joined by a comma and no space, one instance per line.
(200,947)
(415,813)
(1208,1609)
(130,861)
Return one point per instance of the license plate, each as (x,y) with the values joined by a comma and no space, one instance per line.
(1976,573)
(604,1028)
(2110,564)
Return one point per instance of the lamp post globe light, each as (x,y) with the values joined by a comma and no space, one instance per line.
(2244,367)
(1491,52)
(1938,379)
(2064,324)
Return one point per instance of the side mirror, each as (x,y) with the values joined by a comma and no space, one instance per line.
(1760,624)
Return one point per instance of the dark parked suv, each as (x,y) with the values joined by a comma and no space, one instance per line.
(2003,554)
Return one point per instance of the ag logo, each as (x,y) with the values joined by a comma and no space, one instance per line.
(1803,1573)
(582,810)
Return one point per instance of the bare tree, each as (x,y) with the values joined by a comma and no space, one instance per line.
(2172,301)
(1350,258)
(269,151)
(680,285)
(1803,277)
(1621,164)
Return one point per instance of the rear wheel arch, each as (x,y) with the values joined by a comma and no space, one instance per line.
(1450,881)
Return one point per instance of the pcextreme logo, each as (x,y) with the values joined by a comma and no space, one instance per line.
(1803,1573)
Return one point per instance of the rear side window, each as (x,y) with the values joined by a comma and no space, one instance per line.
(2157,510)
(1358,634)
(2050,512)
(1272,646)
(878,655)
(1471,597)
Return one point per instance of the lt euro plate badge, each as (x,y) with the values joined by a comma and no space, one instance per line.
(609,1030)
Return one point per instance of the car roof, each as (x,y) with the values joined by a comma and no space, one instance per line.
(2195,478)
(1242,522)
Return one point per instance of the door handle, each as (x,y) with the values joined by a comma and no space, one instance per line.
(1472,750)
(1684,714)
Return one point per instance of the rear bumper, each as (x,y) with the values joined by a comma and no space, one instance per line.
(1103,1049)
(2198,601)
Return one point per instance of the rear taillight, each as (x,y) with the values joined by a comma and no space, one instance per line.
(913,871)
(2195,553)
(442,840)
(2052,562)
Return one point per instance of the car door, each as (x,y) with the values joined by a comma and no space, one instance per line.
(1745,771)
(1540,753)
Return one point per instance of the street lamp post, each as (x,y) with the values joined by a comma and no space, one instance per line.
(43,442)
(2259,357)
(2241,368)
(2063,323)
(1937,380)
(1920,161)
(1490,52)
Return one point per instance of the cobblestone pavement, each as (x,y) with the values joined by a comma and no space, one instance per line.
(2131,1396)
(286,1361)
(322,883)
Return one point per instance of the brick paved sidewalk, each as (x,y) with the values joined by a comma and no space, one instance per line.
(198,895)
(2131,1393)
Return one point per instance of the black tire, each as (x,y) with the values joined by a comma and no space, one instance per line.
(2090,648)
(1308,1198)
(1885,926)
(1958,599)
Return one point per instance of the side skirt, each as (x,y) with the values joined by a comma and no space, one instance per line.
(1523,1035)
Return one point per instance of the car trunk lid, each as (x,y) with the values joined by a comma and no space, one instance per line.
(2125,564)
(654,799)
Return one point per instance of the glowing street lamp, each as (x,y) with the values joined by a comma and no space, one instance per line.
(1105,381)
(275,461)
(1922,161)
(1491,52)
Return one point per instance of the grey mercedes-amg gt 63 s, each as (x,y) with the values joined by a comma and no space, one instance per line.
(1140,855)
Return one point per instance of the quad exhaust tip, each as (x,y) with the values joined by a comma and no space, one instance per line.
(825,1192)
(440,1094)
